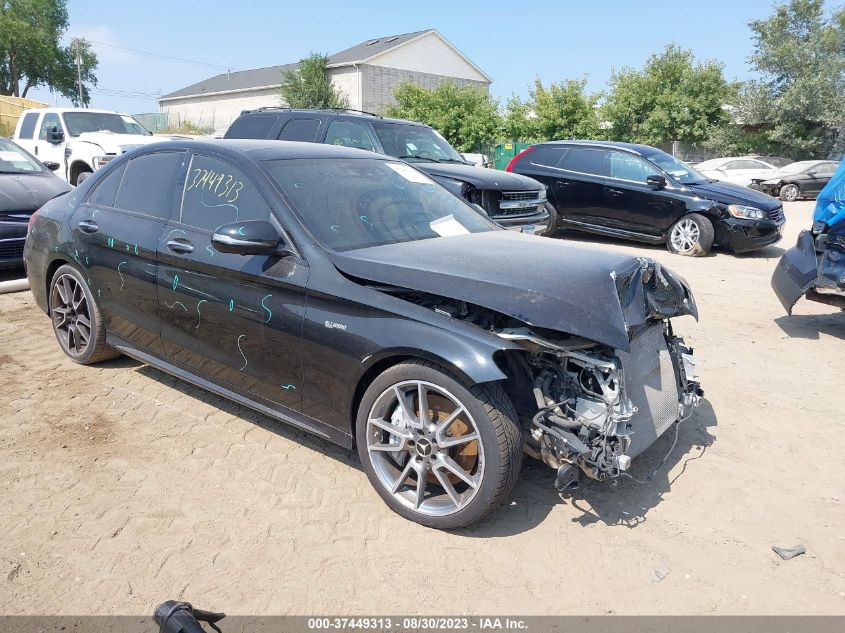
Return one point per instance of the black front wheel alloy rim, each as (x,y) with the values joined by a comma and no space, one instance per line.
(71,316)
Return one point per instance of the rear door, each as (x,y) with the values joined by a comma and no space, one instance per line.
(577,185)
(233,319)
(822,174)
(116,232)
(633,205)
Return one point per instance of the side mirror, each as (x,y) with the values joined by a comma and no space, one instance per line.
(255,237)
(55,136)
(812,172)
(51,165)
(656,181)
(478,208)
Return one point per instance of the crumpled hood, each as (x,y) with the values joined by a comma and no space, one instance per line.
(480,177)
(729,193)
(28,192)
(544,282)
(117,143)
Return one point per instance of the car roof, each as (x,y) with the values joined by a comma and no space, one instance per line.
(64,110)
(628,147)
(274,111)
(261,149)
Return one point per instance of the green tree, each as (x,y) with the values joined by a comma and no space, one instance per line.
(672,98)
(467,116)
(309,85)
(797,106)
(562,110)
(31,52)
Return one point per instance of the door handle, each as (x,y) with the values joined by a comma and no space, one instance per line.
(563,183)
(615,192)
(180,246)
(88,226)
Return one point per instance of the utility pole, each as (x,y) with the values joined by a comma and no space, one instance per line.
(79,72)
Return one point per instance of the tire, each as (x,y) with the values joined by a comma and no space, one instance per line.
(491,461)
(81,177)
(71,306)
(553,227)
(789,192)
(691,235)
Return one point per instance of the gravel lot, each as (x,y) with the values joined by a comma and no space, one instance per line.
(122,487)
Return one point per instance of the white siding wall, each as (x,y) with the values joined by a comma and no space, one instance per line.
(218,111)
(429,54)
(347,80)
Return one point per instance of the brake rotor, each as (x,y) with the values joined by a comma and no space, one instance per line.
(465,455)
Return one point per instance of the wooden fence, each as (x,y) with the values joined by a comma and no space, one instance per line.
(10,110)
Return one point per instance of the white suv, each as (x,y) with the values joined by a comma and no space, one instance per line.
(78,140)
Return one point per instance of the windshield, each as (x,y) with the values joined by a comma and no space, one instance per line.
(348,204)
(415,143)
(680,171)
(80,122)
(14,160)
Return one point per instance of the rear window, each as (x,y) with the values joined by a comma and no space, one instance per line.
(586,161)
(147,185)
(106,190)
(544,155)
(252,126)
(300,130)
(28,125)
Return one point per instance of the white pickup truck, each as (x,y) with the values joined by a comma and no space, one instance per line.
(74,142)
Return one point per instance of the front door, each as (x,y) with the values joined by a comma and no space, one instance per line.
(48,150)
(233,319)
(117,231)
(632,204)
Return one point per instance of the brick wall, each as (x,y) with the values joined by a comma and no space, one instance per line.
(379,82)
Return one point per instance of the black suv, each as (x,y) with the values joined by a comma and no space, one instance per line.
(512,201)
(641,193)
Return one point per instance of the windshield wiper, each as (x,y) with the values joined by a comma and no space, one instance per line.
(433,160)
(454,160)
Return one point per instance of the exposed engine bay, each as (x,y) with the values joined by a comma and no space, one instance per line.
(585,407)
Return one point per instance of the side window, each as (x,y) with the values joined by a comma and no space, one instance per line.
(545,156)
(49,122)
(733,164)
(752,164)
(106,190)
(349,134)
(300,130)
(586,161)
(147,185)
(28,125)
(826,169)
(217,193)
(252,126)
(629,167)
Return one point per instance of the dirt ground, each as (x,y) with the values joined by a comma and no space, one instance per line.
(121,487)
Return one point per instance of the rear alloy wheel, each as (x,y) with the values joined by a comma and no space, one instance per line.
(436,452)
(789,193)
(692,235)
(77,322)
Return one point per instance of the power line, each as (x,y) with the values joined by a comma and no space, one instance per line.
(180,60)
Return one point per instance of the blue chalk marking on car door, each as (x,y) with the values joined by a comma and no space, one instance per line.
(122,283)
(199,316)
(269,311)
(242,352)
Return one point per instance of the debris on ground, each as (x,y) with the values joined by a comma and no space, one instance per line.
(660,572)
(789,552)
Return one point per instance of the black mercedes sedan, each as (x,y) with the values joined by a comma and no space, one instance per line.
(346,293)
(25,184)
(641,193)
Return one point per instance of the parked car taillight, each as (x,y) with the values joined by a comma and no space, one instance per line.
(517,157)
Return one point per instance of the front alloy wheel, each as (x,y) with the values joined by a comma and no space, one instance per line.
(437,453)
(789,193)
(691,235)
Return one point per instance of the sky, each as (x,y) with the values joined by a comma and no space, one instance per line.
(512,41)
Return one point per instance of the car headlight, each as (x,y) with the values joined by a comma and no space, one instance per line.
(542,195)
(99,161)
(746,212)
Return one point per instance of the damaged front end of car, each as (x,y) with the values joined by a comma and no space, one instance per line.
(814,268)
(588,406)
(598,407)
